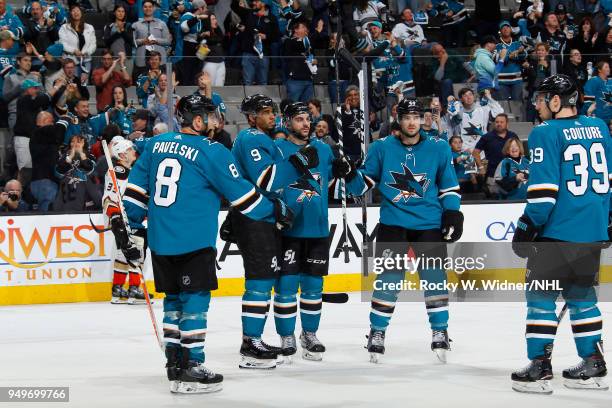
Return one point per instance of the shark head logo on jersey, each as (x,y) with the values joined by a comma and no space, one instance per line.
(472,130)
(306,187)
(409,184)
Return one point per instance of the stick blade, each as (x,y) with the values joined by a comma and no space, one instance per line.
(335,297)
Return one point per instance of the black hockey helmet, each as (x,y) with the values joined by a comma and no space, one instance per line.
(188,107)
(294,109)
(255,103)
(409,105)
(561,85)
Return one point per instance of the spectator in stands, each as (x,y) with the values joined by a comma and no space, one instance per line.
(322,133)
(147,81)
(44,148)
(492,145)
(158,103)
(73,167)
(205,89)
(79,41)
(512,173)
(486,69)
(83,124)
(160,128)
(454,21)
(142,126)
(351,123)
(112,73)
(120,112)
(188,41)
(344,72)
(222,136)
(487,15)
(463,163)
(41,31)
(388,125)
(9,21)
(448,69)
(552,35)
(605,46)
(11,89)
(150,34)
(432,121)
(11,198)
(259,29)
(565,20)
(598,93)
(32,101)
(366,11)
(51,62)
(510,76)
(536,69)
(300,64)
(586,40)
(575,69)
(118,35)
(470,119)
(407,31)
(214,64)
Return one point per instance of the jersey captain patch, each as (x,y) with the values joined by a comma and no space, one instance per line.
(408,184)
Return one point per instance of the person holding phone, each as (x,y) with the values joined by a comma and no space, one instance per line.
(10,198)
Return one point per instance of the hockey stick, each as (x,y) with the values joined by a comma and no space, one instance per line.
(95,228)
(335,297)
(365,138)
(113,176)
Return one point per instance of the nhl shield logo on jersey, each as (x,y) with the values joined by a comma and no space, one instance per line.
(409,184)
(186,280)
(305,186)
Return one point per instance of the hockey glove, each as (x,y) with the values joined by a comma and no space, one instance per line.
(226,232)
(283,215)
(119,231)
(452,225)
(345,168)
(524,234)
(134,251)
(305,158)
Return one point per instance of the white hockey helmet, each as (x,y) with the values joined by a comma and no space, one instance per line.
(120,145)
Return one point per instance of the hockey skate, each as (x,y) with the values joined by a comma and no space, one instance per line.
(440,344)
(195,378)
(173,367)
(287,349)
(119,295)
(376,345)
(588,374)
(535,378)
(256,355)
(312,348)
(135,295)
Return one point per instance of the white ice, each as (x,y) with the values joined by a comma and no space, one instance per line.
(108,357)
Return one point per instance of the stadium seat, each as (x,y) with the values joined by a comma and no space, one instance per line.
(233,115)
(269,90)
(321,93)
(522,129)
(185,90)
(230,93)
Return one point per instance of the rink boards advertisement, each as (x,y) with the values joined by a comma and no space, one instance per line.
(61,258)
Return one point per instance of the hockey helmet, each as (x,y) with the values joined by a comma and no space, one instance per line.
(409,105)
(190,106)
(255,103)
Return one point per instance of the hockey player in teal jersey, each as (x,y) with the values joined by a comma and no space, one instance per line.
(178,182)
(420,206)
(261,161)
(568,205)
(305,254)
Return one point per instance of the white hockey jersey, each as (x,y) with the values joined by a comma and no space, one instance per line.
(110,199)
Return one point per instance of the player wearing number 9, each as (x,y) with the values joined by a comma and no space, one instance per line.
(568,201)
(178,183)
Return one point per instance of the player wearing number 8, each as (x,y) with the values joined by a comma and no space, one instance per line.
(178,182)
(568,207)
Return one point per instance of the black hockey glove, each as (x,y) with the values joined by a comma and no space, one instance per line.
(524,234)
(452,225)
(283,215)
(305,158)
(133,253)
(343,167)
(119,231)
(226,232)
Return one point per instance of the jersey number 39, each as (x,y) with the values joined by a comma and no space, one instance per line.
(592,161)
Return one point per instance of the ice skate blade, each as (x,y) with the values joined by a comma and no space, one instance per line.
(535,387)
(118,301)
(197,388)
(256,364)
(441,354)
(312,356)
(132,301)
(593,383)
(174,385)
(284,360)
(375,358)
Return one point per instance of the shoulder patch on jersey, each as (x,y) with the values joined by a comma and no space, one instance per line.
(119,169)
(178,137)
(543,124)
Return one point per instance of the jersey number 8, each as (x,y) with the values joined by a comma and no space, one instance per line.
(166,182)
(597,163)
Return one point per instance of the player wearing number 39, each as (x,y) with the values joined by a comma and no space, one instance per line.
(561,233)
(178,182)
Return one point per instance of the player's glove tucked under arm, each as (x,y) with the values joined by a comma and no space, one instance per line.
(283,215)
(119,231)
(343,167)
(524,234)
(305,158)
(226,232)
(452,225)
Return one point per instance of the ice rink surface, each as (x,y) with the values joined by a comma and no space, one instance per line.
(108,357)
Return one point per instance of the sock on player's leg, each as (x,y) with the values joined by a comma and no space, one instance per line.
(285,304)
(193,323)
(255,306)
(310,301)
